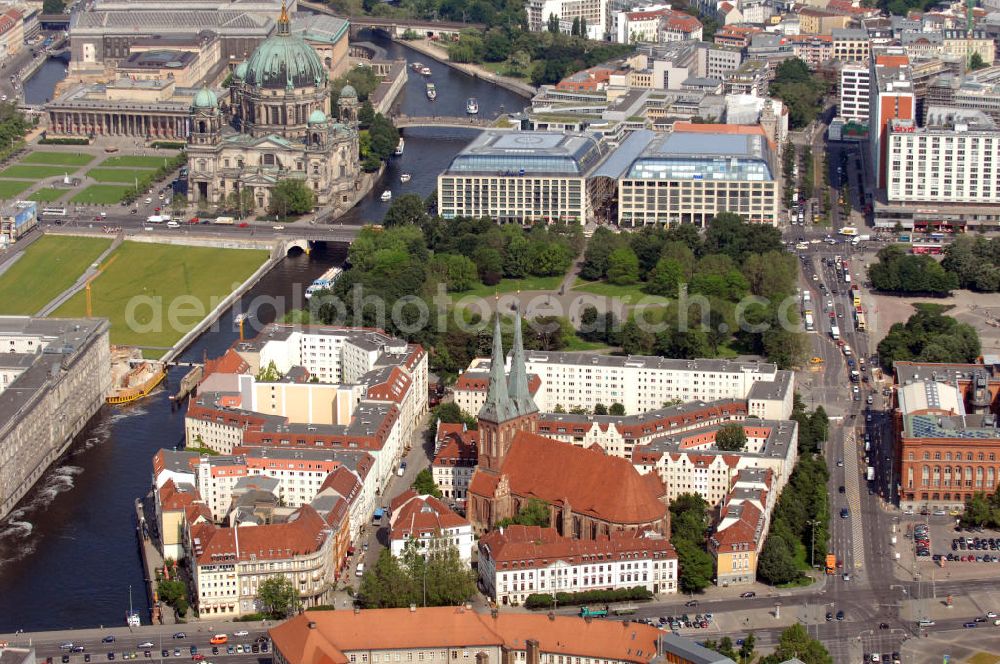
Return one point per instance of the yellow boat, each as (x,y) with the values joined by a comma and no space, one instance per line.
(134,378)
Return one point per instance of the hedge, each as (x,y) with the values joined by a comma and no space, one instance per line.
(170,145)
(545,600)
(148,179)
(64,141)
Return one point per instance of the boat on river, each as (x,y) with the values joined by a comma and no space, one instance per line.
(132,377)
(386,195)
(472,106)
(400,146)
(431,92)
(324,282)
(425,71)
(417,66)
(404,178)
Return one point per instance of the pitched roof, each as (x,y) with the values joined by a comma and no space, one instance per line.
(334,633)
(302,533)
(455,446)
(421,515)
(608,488)
(741,534)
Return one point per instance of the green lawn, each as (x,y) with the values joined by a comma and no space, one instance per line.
(61,158)
(576,343)
(135,161)
(115,174)
(11,188)
(49,266)
(166,289)
(512,285)
(35,172)
(48,194)
(101,194)
(633,291)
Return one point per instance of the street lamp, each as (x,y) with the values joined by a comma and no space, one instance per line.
(812,527)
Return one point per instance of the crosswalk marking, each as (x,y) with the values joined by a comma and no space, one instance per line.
(850,457)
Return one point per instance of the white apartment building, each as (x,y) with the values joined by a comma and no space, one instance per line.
(855,92)
(955,158)
(522,177)
(428,524)
(594,12)
(518,561)
(455,456)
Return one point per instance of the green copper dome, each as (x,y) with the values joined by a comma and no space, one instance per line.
(241,71)
(348,91)
(205,99)
(317,117)
(284,62)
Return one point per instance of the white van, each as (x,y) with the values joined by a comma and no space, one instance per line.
(173,224)
(360,571)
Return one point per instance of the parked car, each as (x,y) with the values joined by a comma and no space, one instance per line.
(748,595)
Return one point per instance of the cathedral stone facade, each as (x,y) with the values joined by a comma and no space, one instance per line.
(275,126)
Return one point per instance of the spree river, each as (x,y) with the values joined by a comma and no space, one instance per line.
(69,553)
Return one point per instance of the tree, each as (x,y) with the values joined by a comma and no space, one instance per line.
(386,585)
(424,484)
(665,278)
(533,513)
(174,593)
(575,30)
(277,597)
(616,409)
(795,642)
(746,650)
(384,137)
(366,115)
(291,197)
(731,438)
(553,25)
(696,566)
(777,561)
(600,409)
(800,90)
(623,267)
(451,412)
(978,511)
(976,62)
(583,27)
(929,336)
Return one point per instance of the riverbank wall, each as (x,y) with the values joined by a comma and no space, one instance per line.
(441,55)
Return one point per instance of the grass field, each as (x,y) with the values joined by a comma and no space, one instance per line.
(48,267)
(11,188)
(101,194)
(115,174)
(134,161)
(35,172)
(61,158)
(48,194)
(143,286)
(633,292)
(513,285)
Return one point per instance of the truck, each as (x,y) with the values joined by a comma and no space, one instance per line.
(226,221)
(848,230)
(587,612)
(835,332)
(810,326)
(847,277)
(155,219)
(806,297)
(831,563)
(377,517)
(871,473)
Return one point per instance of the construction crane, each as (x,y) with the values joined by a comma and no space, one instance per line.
(86,287)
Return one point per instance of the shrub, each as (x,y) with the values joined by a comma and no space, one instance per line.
(64,141)
(544,600)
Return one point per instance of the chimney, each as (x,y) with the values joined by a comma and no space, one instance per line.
(531,654)
(312,624)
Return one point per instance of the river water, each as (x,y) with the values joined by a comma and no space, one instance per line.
(69,553)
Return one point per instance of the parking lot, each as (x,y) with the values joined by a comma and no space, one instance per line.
(937,543)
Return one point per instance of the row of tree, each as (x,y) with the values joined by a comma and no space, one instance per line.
(975,262)
(814,427)
(439,578)
(689,521)
(800,524)
(900,272)
(800,90)
(929,336)
(794,645)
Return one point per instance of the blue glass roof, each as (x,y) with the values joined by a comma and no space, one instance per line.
(529,153)
(702,156)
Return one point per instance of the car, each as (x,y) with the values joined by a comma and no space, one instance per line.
(230,650)
(197,657)
(244,224)
(164,653)
(86,657)
(65,659)
(840,463)
(179,635)
(215,650)
(111,657)
(991,614)
(242,632)
(239,648)
(218,639)
(194,220)
(969,625)
(147,654)
(177,652)
(66,646)
(940,513)
(277,227)
(193,649)
(264,647)
(78,648)
(841,489)
(748,595)
(691,602)
(145,644)
(256,648)
(847,576)
(840,615)
(829,616)
(844,513)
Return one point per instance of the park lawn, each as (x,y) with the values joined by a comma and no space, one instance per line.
(60,158)
(48,194)
(11,188)
(575,343)
(116,174)
(633,291)
(512,286)
(170,287)
(49,266)
(101,194)
(135,161)
(35,172)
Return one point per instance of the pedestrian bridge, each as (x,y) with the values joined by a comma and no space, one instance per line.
(459,122)
(397,27)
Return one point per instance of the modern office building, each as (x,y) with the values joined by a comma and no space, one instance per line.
(523,177)
(855,92)
(891,98)
(698,171)
(54,376)
(850,45)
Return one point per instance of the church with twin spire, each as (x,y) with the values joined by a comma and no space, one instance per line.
(588,493)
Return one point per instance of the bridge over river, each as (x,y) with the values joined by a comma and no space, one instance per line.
(461,122)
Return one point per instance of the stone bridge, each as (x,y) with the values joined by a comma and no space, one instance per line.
(397,27)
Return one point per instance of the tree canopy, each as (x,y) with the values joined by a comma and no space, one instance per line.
(688,530)
(899,272)
(929,336)
(424,484)
(975,262)
(278,597)
(795,642)
(440,578)
(291,197)
(801,91)
(731,437)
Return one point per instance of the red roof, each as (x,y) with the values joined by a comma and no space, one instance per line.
(742,534)
(302,534)
(538,467)
(415,516)
(229,363)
